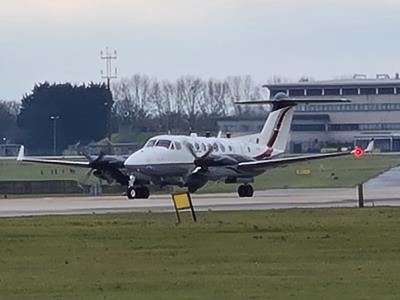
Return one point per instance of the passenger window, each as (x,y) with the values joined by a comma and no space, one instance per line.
(172,146)
(203,147)
(222,147)
(163,143)
(197,146)
(248,148)
(216,147)
(230,148)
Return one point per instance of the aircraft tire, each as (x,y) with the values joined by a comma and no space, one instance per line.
(145,193)
(140,192)
(245,190)
(249,190)
(131,192)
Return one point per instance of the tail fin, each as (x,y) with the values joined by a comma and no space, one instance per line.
(275,133)
(21,153)
(370,146)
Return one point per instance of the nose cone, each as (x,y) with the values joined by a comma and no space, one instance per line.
(135,159)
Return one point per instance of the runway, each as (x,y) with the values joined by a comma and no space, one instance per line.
(271,199)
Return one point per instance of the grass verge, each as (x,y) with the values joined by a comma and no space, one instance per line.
(283,254)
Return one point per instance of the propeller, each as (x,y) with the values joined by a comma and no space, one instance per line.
(199,161)
(208,160)
(93,164)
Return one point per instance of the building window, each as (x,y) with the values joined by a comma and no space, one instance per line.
(274,92)
(296,93)
(386,91)
(308,127)
(349,91)
(367,91)
(314,92)
(332,92)
(343,127)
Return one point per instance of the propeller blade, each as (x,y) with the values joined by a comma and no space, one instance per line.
(208,152)
(98,158)
(82,151)
(191,150)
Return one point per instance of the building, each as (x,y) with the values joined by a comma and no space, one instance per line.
(374,111)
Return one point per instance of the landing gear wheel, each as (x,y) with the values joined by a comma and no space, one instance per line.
(138,192)
(144,192)
(249,190)
(131,192)
(245,190)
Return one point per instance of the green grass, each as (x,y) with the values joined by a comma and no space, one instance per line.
(333,172)
(283,254)
(10,170)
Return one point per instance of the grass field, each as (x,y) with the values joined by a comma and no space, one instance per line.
(334,172)
(283,254)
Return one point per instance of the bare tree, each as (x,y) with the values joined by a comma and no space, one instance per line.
(215,98)
(190,93)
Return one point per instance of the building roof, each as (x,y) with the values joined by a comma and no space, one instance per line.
(336,83)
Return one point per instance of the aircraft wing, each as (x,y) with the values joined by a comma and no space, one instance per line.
(21,157)
(281,162)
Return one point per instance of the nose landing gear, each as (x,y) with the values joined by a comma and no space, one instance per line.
(245,190)
(138,192)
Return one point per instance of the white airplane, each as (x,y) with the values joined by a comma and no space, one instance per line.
(191,161)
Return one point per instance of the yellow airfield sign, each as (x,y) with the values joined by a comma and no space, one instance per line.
(183,201)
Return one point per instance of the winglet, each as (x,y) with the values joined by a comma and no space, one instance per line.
(370,146)
(21,153)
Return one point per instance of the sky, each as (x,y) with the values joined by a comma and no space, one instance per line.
(60,40)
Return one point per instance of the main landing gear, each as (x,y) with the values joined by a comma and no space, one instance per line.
(138,192)
(245,190)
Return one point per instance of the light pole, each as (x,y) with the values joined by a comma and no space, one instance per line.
(54,119)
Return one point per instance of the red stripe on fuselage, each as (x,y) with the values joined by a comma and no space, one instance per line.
(265,154)
(277,127)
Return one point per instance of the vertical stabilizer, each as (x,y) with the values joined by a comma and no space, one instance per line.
(275,132)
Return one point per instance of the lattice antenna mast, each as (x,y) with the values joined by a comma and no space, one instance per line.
(108,73)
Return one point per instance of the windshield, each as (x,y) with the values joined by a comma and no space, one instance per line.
(150,143)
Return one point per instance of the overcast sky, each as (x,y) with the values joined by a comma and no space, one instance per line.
(60,40)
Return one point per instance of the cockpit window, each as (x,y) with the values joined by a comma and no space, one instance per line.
(178,145)
(150,143)
(163,143)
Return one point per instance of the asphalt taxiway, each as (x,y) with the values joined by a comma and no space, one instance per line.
(270,199)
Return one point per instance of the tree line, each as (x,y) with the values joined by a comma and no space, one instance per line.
(90,112)
(188,103)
